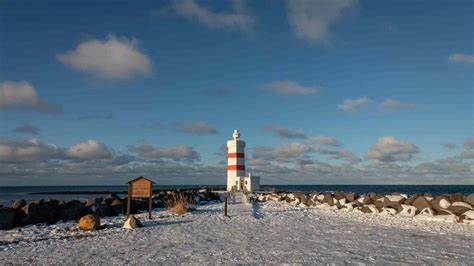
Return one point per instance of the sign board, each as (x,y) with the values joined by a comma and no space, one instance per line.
(140,187)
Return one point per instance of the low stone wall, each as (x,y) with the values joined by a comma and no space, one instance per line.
(22,213)
(456,206)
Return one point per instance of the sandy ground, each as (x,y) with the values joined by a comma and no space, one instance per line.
(272,232)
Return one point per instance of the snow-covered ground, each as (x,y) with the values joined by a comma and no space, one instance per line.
(272,232)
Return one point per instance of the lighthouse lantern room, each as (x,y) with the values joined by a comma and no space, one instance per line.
(236,178)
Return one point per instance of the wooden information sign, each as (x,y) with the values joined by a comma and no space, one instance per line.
(140,187)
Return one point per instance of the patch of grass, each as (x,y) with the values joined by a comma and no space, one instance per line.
(179,205)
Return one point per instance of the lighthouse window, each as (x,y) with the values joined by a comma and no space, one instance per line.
(246,182)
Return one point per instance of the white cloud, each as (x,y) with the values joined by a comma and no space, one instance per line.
(176,153)
(325,140)
(461,58)
(289,87)
(351,105)
(22,95)
(238,18)
(111,59)
(88,150)
(396,105)
(285,132)
(388,149)
(27,150)
(469,143)
(311,19)
(197,128)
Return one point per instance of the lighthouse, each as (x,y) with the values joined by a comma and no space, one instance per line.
(236,178)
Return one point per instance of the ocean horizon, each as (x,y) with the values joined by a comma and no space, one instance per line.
(8,194)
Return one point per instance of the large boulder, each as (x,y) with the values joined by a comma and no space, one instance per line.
(92,202)
(34,213)
(394,202)
(103,210)
(470,199)
(339,195)
(328,198)
(7,218)
(468,215)
(132,222)
(374,196)
(351,197)
(458,210)
(18,204)
(440,202)
(72,210)
(459,196)
(89,222)
(117,207)
(411,199)
(369,209)
(420,203)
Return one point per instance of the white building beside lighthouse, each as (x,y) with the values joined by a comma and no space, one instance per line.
(236,178)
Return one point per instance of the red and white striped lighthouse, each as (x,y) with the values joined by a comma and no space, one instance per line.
(235,162)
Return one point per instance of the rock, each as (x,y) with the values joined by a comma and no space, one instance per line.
(369,209)
(351,197)
(411,199)
(339,195)
(462,204)
(458,210)
(374,196)
(89,222)
(320,197)
(103,210)
(132,222)
(342,201)
(18,204)
(469,215)
(35,213)
(420,203)
(92,202)
(394,202)
(348,207)
(328,199)
(72,210)
(379,204)
(440,202)
(408,211)
(117,207)
(367,200)
(459,196)
(7,218)
(470,199)
(112,198)
(427,212)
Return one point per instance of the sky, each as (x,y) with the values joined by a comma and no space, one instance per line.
(323,92)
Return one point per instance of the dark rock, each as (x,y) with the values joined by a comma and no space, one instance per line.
(459,196)
(435,203)
(92,202)
(35,213)
(470,199)
(328,199)
(339,195)
(7,218)
(18,204)
(117,207)
(379,204)
(72,210)
(420,203)
(393,204)
(112,198)
(458,210)
(103,210)
(350,197)
(367,200)
(412,199)
(374,196)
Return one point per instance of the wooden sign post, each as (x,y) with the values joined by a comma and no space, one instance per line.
(140,187)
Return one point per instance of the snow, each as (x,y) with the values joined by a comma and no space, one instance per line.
(271,232)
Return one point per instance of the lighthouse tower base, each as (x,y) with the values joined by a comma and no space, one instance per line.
(243,183)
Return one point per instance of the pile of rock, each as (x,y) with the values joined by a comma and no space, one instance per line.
(455,206)
(22,213)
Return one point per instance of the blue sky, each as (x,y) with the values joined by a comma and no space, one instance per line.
(335,92)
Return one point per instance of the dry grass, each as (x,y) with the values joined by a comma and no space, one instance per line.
(178,205)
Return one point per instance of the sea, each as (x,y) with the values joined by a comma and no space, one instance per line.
(9,194)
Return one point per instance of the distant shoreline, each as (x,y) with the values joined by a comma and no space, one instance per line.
(155,191)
